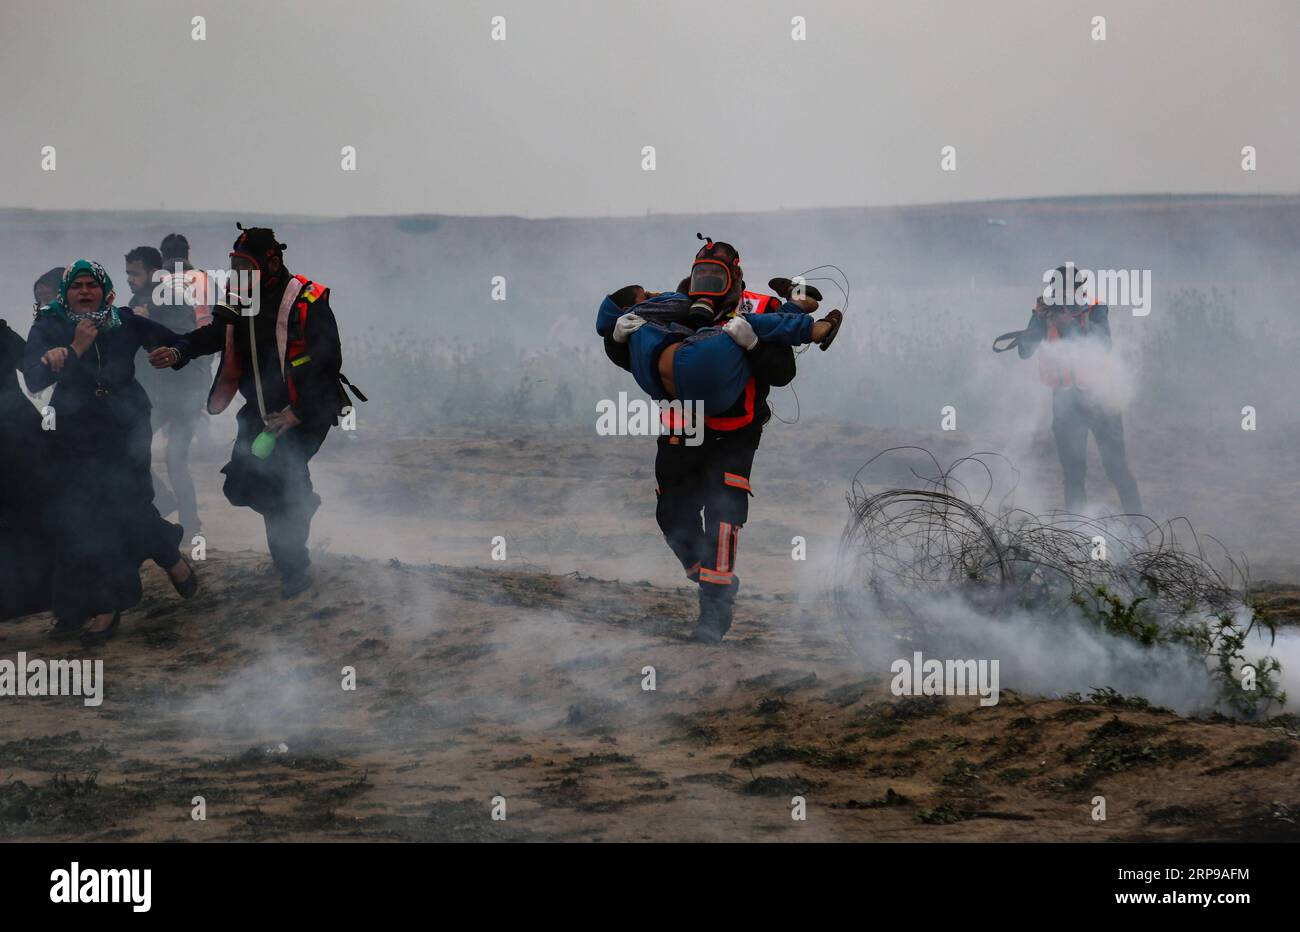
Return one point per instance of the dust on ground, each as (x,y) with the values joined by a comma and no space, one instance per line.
(475,683)
(567,500)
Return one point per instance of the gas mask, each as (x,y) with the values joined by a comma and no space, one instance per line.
(716,282)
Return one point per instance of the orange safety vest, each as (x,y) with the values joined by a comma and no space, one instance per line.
(290,341)
(750,303)
(1055,369)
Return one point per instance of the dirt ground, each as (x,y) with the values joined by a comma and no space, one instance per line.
(524,680)
(478,683)
(569,501)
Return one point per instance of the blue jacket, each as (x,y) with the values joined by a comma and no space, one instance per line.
(663,314)
(788,326)
(102,379)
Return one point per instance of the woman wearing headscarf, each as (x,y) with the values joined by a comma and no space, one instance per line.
(103,523)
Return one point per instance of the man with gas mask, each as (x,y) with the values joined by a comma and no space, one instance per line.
(713,342)
(1071,335)
(282,354)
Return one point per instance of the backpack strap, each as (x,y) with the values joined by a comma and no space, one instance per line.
(352,388)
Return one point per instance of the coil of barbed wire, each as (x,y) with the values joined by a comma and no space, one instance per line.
(943,535)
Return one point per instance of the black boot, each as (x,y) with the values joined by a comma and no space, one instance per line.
(716,603)
(293,583)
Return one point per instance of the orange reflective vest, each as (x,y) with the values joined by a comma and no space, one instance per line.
(290,340)
(1056,368)
(750,303)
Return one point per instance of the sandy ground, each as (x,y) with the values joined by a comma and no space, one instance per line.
(572,501)
(478,683)
(524,680)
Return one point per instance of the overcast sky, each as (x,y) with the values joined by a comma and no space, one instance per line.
(552,121)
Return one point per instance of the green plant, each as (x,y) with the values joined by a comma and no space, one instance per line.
(1116,616)
(1227,645)
(1221,639)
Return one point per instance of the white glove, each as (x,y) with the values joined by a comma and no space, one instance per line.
(738,329)
(625,326)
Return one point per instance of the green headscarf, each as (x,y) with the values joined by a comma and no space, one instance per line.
(105,316)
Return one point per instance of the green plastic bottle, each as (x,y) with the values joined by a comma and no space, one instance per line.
(263,444)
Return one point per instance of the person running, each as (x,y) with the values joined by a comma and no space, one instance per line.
(705,342)
(102,519)
(285,361)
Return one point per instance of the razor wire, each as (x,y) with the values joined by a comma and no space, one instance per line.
(948,533)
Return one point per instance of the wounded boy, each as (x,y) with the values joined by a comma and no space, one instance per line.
(672,360)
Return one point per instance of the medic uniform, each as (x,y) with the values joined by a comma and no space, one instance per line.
(299,358)
(703,491)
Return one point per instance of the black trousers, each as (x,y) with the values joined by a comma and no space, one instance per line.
(1075,412)
(704,494)
(278,488)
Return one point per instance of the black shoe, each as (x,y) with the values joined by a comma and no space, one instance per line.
(291,585)
(785,287)
(706,634)
(95,638)
(186,589)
